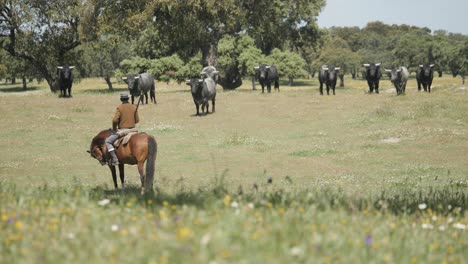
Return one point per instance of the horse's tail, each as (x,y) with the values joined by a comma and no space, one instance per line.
(150,163)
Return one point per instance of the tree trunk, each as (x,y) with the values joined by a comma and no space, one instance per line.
(341,80)
(109,83)
(24,83)
(463,79)
(13,80)
(353,75)
(253,83)
(440,73)
(290,81)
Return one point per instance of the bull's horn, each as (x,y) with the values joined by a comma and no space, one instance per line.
(71,67)
(60,67)
(215,72)
(325,68)
(337,68)
(268,67)
(124,78)
(366,64)
(388,70)
(137,77)
(399,70)
(200,80)
(420,66)
(203,72)
(378,64)
(257,67)
(432,65)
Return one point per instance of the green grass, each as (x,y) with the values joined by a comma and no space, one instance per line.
(356,178)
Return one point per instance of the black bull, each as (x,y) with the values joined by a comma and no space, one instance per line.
(266,74)
(65,80)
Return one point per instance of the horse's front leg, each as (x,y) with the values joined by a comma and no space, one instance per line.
(114,176)
(122,173)
(142,176)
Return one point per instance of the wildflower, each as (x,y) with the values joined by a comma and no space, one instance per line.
(150,202)
(227,199)
(104,202)
(459,226)
(251,206)
(165,203)
(184,233)
(296,251)
(4,217)
(427,226)
(114,228)
(71,236)
(442,228)
(173,207)
(234,205)
(422,206)
(369,240)
(205,239)
(19,225)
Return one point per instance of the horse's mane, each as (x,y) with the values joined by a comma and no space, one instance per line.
(100,138)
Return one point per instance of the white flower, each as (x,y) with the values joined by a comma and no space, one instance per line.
(422,206)
(442,228)
(251,205)
(459,226)
(205,239)
(434,218)
(114,228)
(427,226)
(234,205)
(71,236)
(104,202)
(296,251)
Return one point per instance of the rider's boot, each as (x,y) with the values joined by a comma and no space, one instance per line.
(115,160)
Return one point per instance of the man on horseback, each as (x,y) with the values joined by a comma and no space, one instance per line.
(124,119)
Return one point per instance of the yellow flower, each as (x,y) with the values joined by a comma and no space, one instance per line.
(19,225)
(165,203)
(150,202)
(281,211)
(184,233)
(129,204)
(173,207)
(4,217)
(227,199)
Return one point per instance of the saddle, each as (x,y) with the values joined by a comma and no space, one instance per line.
(124,137)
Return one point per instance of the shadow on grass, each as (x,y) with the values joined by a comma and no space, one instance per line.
(18,89)
(104,91)
(443,200)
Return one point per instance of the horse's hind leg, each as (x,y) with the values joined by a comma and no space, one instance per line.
(142,176)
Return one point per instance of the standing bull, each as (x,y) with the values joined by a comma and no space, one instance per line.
(424,76)
(328,76)
(65,80)
(373,76)
(399,78)
(141,84)
(266,74)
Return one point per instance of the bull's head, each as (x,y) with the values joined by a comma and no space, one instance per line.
(132,82)
(426,69)
(262,71)
(372,70)
(65,72)
(395,74)
(209,72)
(195,84)
(332,71)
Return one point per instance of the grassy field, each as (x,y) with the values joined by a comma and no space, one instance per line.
(355,178)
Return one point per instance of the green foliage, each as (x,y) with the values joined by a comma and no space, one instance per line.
(191,69)
(289,64)
(165,69)
(135,65)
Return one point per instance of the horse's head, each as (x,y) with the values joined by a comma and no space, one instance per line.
(97,146)
(98,153)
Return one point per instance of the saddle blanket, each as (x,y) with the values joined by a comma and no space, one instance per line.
(124,136)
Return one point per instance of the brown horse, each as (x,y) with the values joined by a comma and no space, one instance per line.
(140,148)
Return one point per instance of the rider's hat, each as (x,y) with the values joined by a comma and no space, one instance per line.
(123,96)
